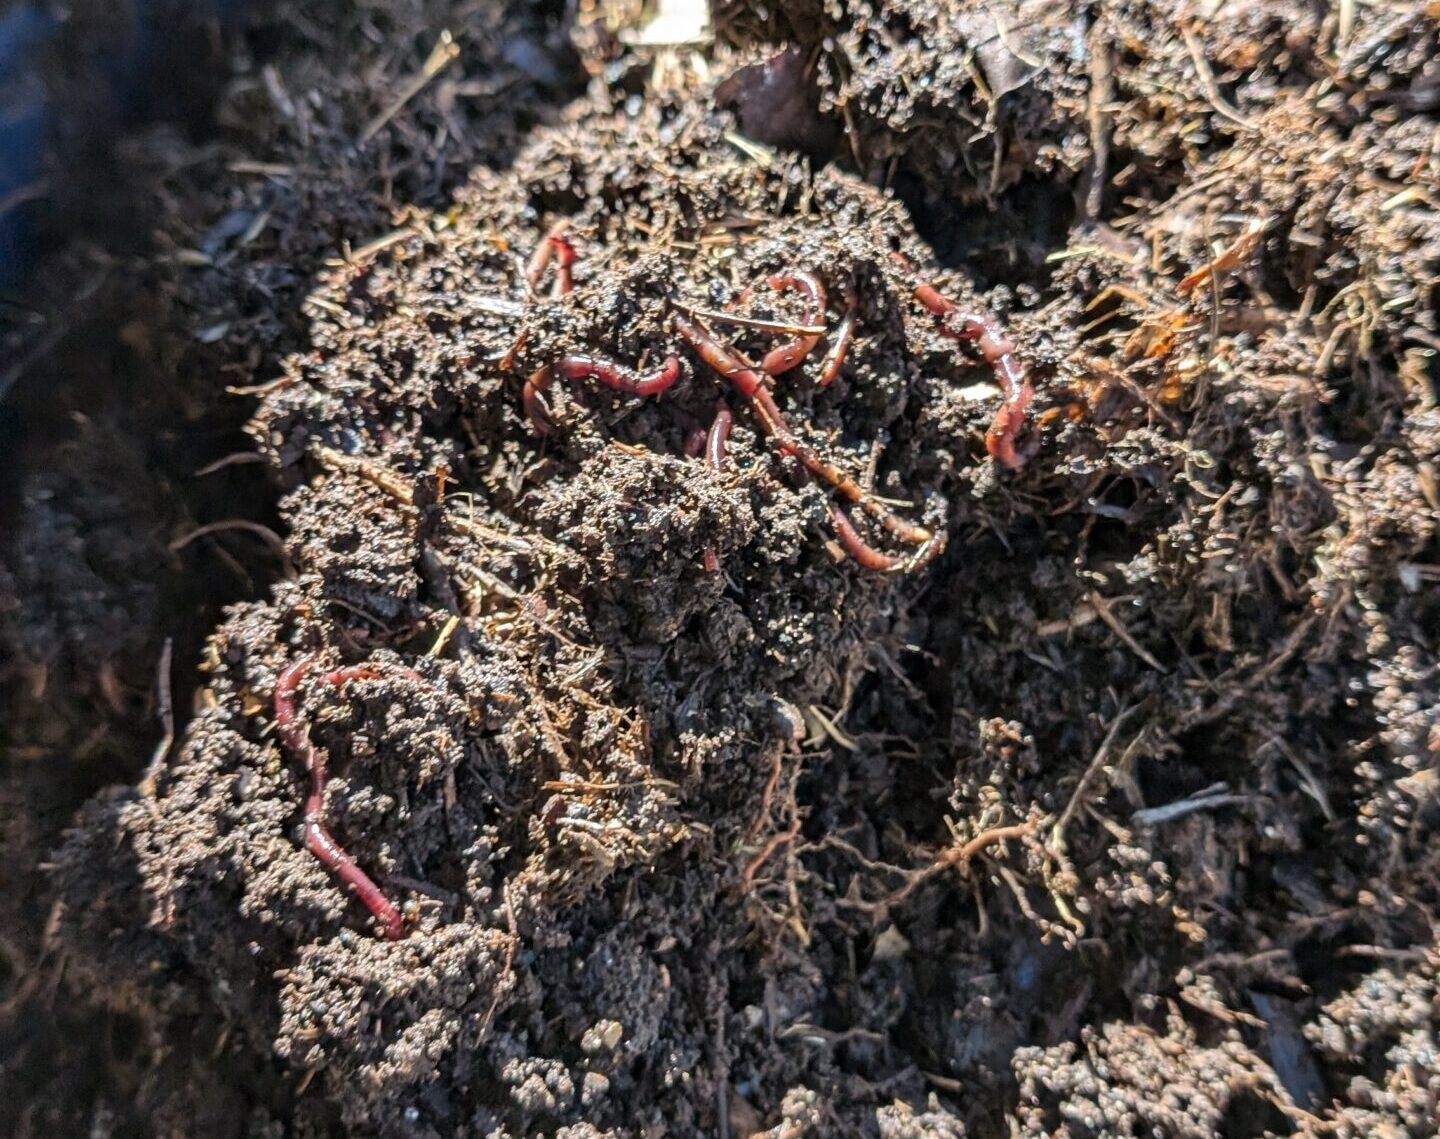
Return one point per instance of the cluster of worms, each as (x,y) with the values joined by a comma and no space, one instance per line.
(756,385)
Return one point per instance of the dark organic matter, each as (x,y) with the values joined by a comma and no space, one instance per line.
(1116,817)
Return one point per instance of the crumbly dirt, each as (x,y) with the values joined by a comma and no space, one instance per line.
(1114,819)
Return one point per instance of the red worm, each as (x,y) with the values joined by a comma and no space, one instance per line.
(294,734)
(715,459)
(998,350)
(564,278)
(859,549)
(608,372)
(789,353)
(717,437)
(724,360)
(552,243)
(844,333)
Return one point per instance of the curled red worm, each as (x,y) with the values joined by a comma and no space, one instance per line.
(295,735)
(608,372)
(859,549)
(998,350)
(715,441)
(789,353)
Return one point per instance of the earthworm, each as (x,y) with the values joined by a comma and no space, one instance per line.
(564,277)
(868,556)
(998,350)
(294,734)
(717,437)
(844,333)
(786,355)
(715,441)
(608,372)
(695,443)
(552,243)
(724,360)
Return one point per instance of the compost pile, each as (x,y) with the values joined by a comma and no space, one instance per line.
(1107,810)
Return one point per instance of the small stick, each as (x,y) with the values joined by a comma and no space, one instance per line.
(1207,79)
(787,327)
(440,57)
(1102,609)
(165,709)
(608,372)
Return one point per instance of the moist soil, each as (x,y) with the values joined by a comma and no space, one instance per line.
(1112,816)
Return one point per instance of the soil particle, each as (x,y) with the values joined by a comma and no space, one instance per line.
(1130,1080)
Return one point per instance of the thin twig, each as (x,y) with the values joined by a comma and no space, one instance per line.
(787,327)
(373,248)
(494,306)
(1102,90)
(1057,832)
(234,459)
(1211,798)
(267,535)
(722,1068)
(1103,611)
(165,711)
(1207,80)
(440,57)
(395,485)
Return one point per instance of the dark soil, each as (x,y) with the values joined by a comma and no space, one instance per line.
(1115,819)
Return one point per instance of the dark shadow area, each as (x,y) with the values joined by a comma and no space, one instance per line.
(183,202)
